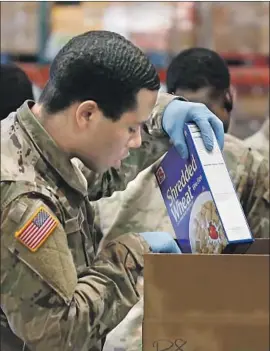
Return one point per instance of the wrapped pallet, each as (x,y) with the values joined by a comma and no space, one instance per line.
(240,27)
(20,27)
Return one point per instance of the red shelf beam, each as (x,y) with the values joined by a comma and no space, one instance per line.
(258,60)
(240,76)
(38,74)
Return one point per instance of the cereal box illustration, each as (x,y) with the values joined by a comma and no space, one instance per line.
(203,206)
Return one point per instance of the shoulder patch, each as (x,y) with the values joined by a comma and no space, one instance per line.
(37,229)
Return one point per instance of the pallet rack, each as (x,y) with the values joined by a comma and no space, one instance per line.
(247,70)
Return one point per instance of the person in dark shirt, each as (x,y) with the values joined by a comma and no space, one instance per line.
(15,88)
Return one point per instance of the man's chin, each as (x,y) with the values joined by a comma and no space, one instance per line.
(101,168)
(117,164)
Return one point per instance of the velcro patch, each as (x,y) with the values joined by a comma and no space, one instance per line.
(37,229)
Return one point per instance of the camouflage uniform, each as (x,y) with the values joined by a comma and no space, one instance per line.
(65,295)
(260,140)
(249,171)
(142,204)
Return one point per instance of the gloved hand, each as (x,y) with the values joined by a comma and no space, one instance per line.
(160,242)
(177,113)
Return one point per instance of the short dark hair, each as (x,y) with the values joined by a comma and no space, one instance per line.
(102,66)
(197,68)
(15,88)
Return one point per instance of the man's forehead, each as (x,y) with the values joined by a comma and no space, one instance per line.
(146,100)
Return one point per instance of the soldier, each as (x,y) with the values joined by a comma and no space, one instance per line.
(58,292)
(15,88)
(260,140)
(199,75)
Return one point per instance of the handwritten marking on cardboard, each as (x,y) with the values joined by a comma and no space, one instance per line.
(170,345)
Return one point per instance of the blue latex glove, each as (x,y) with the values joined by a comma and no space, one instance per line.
(177,113)
(161,242)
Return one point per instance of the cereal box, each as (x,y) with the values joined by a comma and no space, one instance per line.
(199,195)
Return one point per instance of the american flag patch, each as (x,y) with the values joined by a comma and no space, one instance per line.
(37,229)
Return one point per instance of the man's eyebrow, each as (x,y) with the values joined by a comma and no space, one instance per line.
(143,122)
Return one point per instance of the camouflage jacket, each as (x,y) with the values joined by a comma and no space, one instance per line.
(143,205)
(58,292)
(260,140)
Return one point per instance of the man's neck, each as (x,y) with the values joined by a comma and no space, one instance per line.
(53,124)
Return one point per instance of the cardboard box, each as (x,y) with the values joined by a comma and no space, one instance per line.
(240,27)
(85,16)
(61,20)
(200,198)
(169,26)
(19,27)
(207,302)
(183,31)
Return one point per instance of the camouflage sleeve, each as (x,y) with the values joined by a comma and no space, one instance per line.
(155,143)
(257,206)
(260,140)
(46,304)
(250,173)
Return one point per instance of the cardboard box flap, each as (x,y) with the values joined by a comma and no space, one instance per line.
(259,247)
(210,302)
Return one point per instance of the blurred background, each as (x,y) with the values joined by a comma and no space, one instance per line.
(33,32)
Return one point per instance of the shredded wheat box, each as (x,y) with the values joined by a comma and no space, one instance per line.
(203,206)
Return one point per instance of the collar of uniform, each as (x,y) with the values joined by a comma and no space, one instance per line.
(48,148)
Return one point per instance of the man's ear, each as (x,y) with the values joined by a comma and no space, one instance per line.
(233,93)
(85,112)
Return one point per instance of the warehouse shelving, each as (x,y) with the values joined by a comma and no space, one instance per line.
(246,69)
(241,76)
